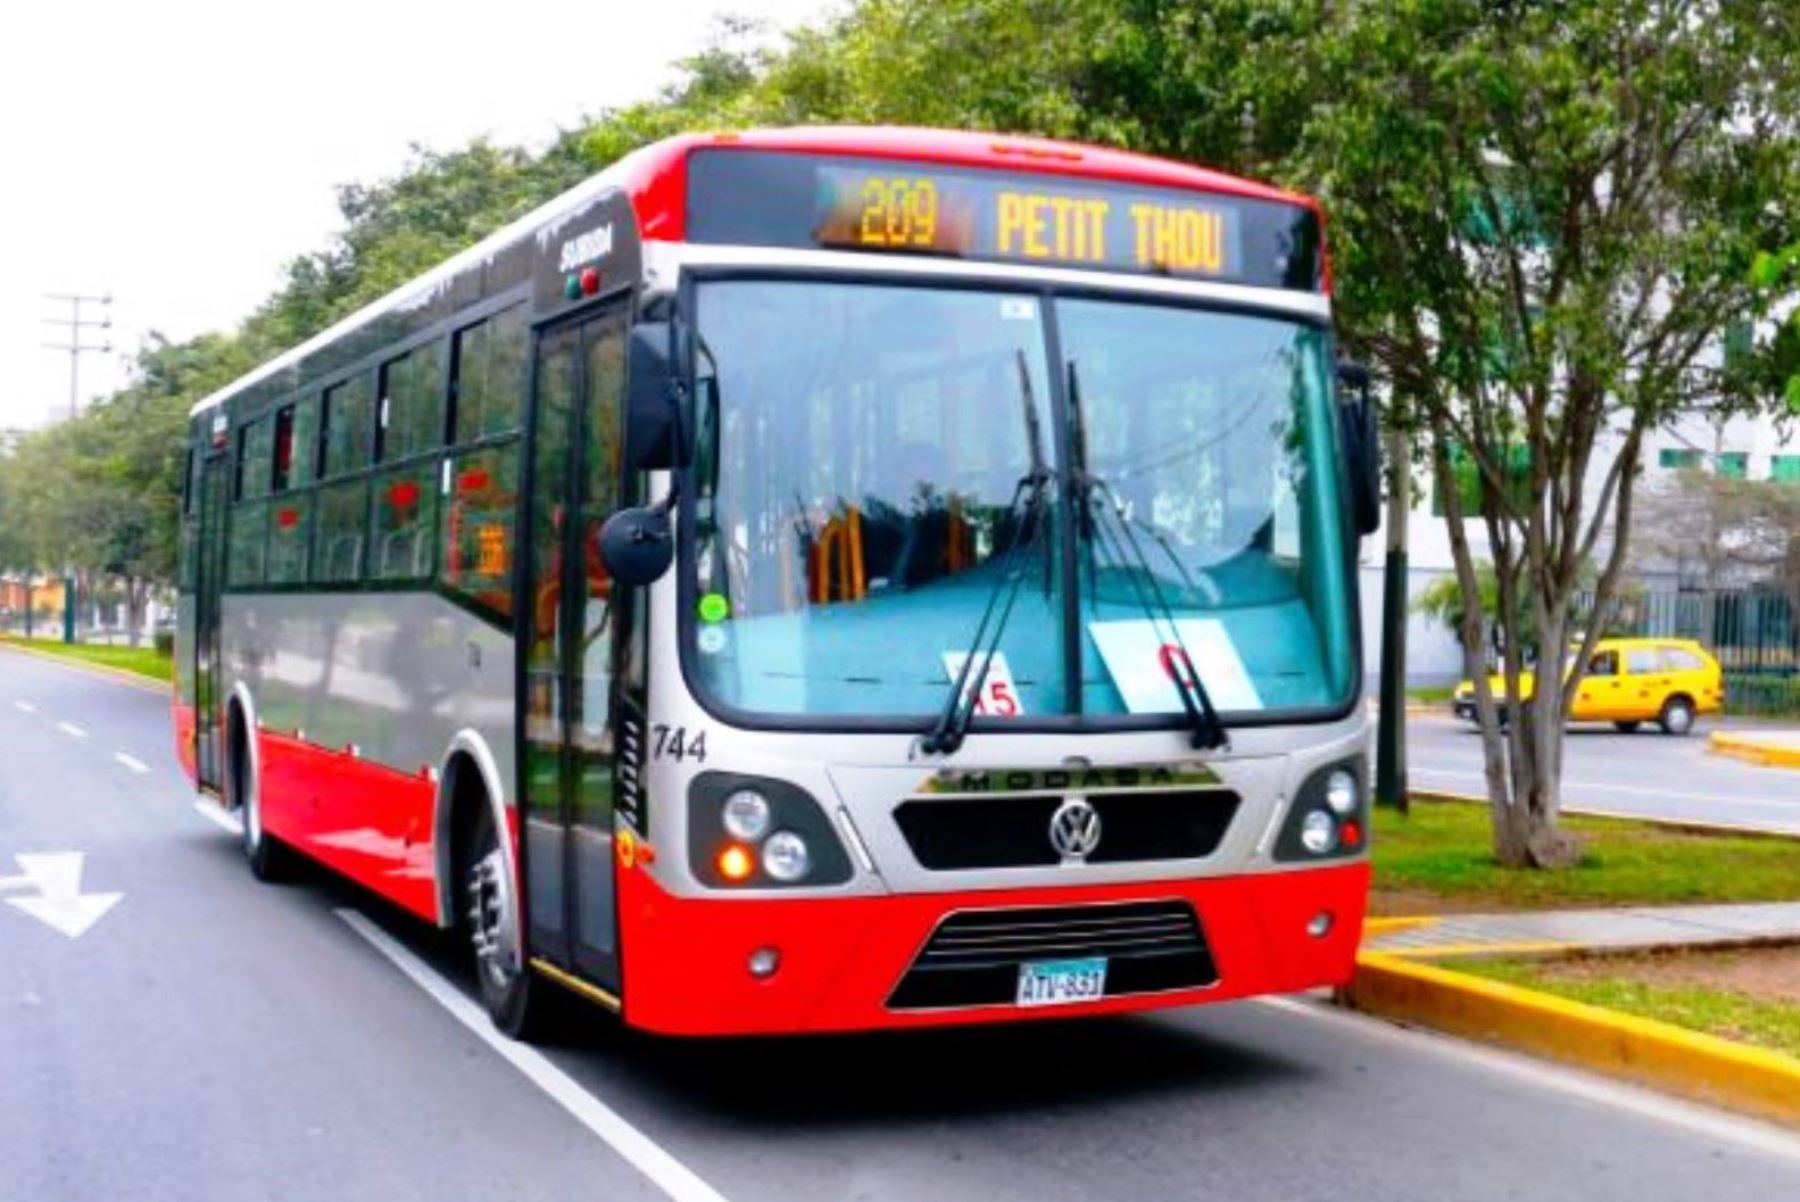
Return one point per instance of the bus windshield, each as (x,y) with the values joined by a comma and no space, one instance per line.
(862,452)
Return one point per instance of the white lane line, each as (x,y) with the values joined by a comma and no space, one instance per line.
(216,814)
(25,707)
(131,762)
(72,730)
(1604,787)
(1690,1117)
(639,1150)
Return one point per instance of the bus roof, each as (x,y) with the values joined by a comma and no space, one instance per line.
(653,177)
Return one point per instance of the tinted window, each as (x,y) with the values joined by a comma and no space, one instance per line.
(405,504)
(1642,661)
(1604,663)
(296,444)
(254,448)
(245,549)
(491,376)
(348,418)
(290,530)
(479,514)
(340,520)
(412,399)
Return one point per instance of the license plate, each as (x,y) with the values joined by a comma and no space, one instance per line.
(1061,982)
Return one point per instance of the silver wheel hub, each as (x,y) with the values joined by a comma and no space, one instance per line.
(492,923)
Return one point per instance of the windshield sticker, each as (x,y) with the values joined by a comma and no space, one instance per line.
(997,697)
(714,607)
(1018,308)
(1142,659)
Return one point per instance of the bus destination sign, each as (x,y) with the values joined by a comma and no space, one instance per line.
(829,202)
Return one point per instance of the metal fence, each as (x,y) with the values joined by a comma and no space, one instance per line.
(1752,633)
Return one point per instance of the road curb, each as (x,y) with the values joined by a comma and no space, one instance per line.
(1698,1066)
(1752,749)
(1580,811)
(117,675)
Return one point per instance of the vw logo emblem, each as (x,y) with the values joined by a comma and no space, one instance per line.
(1075,829)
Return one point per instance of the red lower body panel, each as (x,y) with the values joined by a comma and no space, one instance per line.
(184,740)
(367,821)
(685,958)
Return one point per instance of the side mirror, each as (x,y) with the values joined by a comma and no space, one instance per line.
(1362,446)
(654,435)
(636,545)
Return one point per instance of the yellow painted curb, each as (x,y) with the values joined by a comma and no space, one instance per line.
(1749,747)
(1402,922)
(117,675)
(1686,1062)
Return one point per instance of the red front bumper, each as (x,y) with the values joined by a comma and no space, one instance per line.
(686,959)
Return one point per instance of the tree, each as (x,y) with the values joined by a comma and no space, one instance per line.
(1546,218)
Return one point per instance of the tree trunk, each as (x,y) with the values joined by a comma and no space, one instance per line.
(136,592)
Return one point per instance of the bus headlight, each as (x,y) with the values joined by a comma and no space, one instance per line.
(1318,833)
(746,815)
(761,832)
(785,857)
(1328,818)
(1341,793)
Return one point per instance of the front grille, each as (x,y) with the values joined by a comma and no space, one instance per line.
(973,957)
(1013,831)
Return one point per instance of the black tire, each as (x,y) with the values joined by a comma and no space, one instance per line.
(271,861)
(1677,717)
(1627,727)
(519,1002)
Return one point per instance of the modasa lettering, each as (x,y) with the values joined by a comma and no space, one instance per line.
(595,244)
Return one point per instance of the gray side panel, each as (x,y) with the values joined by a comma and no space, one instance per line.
(397,674)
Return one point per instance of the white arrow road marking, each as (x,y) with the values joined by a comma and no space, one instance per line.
(25,706)
(131,762)
(60,904)
(72,730)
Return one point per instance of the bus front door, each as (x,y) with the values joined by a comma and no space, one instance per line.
(208,581)
(567,646)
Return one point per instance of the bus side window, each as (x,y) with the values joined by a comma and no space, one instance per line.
(339,524)
(487,392)
(348,425)
(479,511)
(412,393)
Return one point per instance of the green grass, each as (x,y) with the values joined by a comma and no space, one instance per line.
(145,661)
(1446,849)
(1723,1012)
(1435,694)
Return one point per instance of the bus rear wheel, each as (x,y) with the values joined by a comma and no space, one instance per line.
(518,1002)
(270,860)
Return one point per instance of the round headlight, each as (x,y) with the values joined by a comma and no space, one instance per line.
(746,815)
(1340,792)
(1318,833)
(785,856)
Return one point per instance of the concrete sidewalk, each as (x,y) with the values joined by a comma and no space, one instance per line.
(1620,929)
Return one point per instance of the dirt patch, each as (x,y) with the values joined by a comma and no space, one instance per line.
(1409,903)
(1770,974)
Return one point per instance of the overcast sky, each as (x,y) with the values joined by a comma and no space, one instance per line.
(176,153)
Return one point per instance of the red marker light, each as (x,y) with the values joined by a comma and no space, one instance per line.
(590,281)
(1351,834)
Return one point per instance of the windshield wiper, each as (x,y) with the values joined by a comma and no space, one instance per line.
(952,725)
(1092,493)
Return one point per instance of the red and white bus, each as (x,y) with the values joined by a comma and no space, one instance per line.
(814,579)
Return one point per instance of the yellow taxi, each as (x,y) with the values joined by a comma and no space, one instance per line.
(1630,682)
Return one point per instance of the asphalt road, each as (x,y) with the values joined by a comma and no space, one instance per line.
(212,1038)
(1645,774)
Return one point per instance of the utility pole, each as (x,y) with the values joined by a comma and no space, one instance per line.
(76,325)
(1390,730)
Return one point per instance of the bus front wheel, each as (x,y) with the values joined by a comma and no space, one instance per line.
(517,1001)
